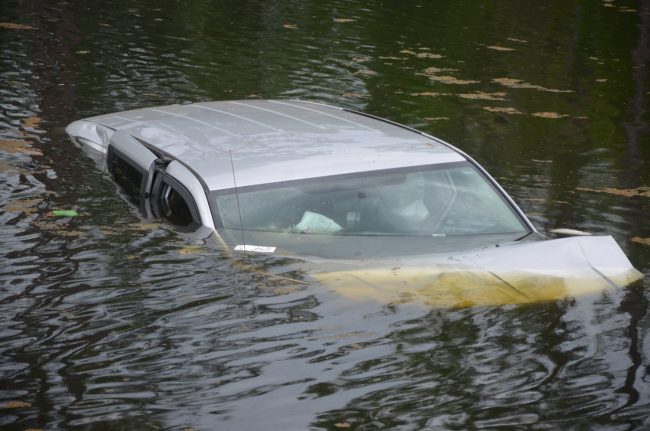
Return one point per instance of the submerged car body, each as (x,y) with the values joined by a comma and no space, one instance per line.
(373,205)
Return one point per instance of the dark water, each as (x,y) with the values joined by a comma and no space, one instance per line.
(106,323)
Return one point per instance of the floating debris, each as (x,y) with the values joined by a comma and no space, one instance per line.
(431,71)
(7,167)
(548,115)
(57,228)
(25,206)
(427,55)
(429,94)
(421,54)
(500,48)
(16,405)
(361,59)
(517,40)
(504,110)
(344,20)
(65,213)
(628,193)
(479,95)
(290,26)
(31,122)
(365,72)
(19,147)
(191,249)
(518,83)
(14,26)
(452,80)
(644,241)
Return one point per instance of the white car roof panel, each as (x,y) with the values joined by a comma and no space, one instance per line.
(274,140)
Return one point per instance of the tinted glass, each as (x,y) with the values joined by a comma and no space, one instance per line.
(174,208)
(128,177)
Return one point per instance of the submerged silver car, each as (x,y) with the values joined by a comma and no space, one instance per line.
(354,193)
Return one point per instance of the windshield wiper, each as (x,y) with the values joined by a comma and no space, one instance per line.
(524,236)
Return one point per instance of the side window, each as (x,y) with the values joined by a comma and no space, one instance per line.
(127,176)
(175,204)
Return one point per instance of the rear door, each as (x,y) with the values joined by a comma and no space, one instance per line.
(131,165)
(159,186)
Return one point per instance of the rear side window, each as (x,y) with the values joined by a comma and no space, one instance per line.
(175,205)
(127,176)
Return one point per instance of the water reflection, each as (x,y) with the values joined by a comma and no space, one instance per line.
(108,323)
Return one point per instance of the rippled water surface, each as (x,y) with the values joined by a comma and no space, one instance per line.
(110,323)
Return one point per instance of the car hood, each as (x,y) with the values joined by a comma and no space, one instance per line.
(517,273)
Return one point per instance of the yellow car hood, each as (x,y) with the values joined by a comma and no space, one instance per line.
(517,273)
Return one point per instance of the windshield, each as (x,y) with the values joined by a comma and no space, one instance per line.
(411,210)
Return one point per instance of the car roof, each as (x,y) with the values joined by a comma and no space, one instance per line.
(269,141)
